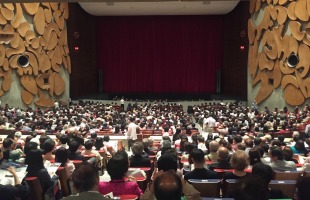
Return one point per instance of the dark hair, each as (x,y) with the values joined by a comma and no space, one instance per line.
(257,141)
(85,177)
(118,165)
(99,143)
(263,171)
(28,138)
(276,151)
(89,144)
(73,146)
(167,162)
(106,138)
(197,155)
(7,142)
(61,156)
(254,156)
(42,139)
(48,145)
(29,146)
(34,160)
(250,188)
(172,190)
(93,135)
(238,139)
(64,139)
(303,186)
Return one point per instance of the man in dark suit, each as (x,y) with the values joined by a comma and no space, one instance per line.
(197,157)
(74,154)
(222,161)
(85,180)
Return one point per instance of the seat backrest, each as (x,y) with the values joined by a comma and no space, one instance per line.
(229,186)
(286,175)
(77,163)
(64,180)
(158,132)
(207,187)
(36,192)
(306,174)
(288,187)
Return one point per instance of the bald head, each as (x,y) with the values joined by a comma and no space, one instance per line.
(168,186)
(222,153)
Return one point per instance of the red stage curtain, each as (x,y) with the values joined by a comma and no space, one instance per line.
(159,54)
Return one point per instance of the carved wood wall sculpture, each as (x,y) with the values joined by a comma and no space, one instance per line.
(38,31)
(268,65)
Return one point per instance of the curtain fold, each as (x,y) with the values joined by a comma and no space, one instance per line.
(159,54)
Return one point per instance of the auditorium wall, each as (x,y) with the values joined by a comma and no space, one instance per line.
(276,30)
(38,32)
(82,34)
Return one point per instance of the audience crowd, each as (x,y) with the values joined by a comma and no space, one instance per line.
(246,143)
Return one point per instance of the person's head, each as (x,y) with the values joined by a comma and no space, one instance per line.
(287,153)
(145,142)
(167,162)
(85,178)
(168,186)
(257,141)
(34,160)
(29,146)
(222,153)
(254,156)
(276,153)
(73,146)
(263,171)
(200,139)
(48,146)
(197,156)
(189,147)
(300,146)
(239,160)
(237,139)
(248,143)
(241,146)
(118,165)
(137,148)
(8,143)
(98,143)
(89,144)
(64,139)
(61,155)
(213,146)
(106,138)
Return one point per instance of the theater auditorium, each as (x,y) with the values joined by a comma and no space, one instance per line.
(154,99)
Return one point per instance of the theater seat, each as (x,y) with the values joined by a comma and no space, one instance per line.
(288,187)
(64,181)
(207,187)
(286,175)
(36,192)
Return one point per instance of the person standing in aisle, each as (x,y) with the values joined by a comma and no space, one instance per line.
(132,132)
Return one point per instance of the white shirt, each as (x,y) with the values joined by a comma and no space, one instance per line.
(132,131)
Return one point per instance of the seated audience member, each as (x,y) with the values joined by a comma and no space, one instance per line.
(266,173)
(277,160)
(249,145)
(303,185)
(222,161)
(299,148)
(85,180)
(213,148)
(117,168)
(254,156)
(166,145)
(139,158)
(74,153)
(199,172)
(89,151)
(17,138)
(64,140)
(188,149)
(9,150)
(201,144)
(266,157)
(36,168)
(168,186)
(48,148)
(239,162)
(146,149)
(168,162)
(288,154)
(61,156)
(99,143)
(17,190)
